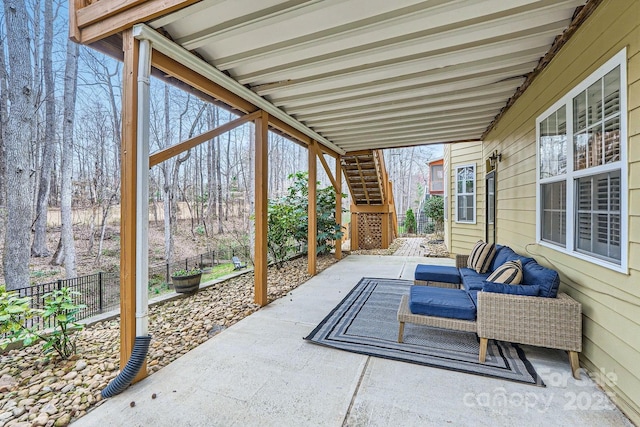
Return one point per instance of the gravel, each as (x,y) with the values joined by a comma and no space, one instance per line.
(36,390)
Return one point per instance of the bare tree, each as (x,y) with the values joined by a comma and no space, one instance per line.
(39,246)
(18,135)
(68,251)
(4,113)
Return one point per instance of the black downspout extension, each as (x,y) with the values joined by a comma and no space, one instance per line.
(124,378)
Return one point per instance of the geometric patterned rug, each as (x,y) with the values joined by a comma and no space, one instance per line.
(366,322)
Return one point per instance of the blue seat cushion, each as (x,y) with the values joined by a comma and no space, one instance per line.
(472,280)
(437,273)
(474,297)
(442,302)
(504,254)
(548,279)
(505,288)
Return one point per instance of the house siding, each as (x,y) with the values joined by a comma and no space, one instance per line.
(462,236)
(610,300)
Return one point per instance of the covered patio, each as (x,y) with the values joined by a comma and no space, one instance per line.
(261,372)
(343,79)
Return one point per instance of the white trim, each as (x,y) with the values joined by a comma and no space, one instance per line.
(445,195)
(475,193)
(619,59)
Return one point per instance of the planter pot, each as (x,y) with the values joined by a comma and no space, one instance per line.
(186,284)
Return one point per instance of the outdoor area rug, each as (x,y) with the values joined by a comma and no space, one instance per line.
(366,322)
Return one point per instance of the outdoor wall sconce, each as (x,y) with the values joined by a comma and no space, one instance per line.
(495,157)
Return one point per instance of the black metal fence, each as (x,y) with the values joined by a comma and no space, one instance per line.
(100,292)
(424,224)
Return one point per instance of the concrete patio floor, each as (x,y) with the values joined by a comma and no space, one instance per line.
(261,372)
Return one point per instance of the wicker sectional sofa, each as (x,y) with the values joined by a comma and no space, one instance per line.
(552,320)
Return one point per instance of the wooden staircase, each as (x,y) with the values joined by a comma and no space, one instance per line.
(373,217)
(363,173)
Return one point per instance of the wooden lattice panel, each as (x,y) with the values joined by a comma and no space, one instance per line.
(369,231)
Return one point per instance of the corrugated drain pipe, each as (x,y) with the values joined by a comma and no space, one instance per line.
(141,344)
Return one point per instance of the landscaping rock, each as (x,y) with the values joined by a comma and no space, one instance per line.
(56,391)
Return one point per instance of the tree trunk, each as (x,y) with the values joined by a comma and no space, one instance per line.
(219,179)
(18,138)
(70,88)
(4,119)
(103,225)
(39,246)
(251,186)
(227,175)
(166,203)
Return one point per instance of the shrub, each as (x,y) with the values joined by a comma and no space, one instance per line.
(59,305)
(434,209)
(288,220)
(410,222)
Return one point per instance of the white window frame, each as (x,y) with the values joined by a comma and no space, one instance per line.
(474,194)
(620,59)
(445,201)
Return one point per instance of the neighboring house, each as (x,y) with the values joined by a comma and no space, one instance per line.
(565,187)
(436,177)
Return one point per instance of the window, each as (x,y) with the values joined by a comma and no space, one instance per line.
(466,194)
(436,179)
(582,188)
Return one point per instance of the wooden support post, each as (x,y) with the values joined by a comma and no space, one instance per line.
(338,188)
(354,231)
(392,209)
(261,182)
(128,215)
(312,213)
(385,231)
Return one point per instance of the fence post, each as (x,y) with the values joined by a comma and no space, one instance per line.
(166,280)
(100,288)
(59,284)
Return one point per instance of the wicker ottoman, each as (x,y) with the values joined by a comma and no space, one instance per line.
(406,316)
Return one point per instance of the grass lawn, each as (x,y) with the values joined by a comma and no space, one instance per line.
(217,271)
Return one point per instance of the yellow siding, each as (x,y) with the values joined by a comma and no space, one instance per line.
(610,300)
(464,236)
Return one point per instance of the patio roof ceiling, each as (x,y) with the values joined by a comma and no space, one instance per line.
(376,73)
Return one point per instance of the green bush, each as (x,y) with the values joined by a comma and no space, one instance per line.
(410,222)
(434,209)
(59,306)
(288,220)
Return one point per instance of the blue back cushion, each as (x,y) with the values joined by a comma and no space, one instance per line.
(547,279)
(504,254)
(504,288)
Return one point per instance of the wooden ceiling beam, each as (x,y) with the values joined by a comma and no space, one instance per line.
(198,81)
(104,18)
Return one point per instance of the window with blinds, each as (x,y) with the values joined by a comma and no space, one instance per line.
(598,215)
(554,212)
(466,194)
(581,171)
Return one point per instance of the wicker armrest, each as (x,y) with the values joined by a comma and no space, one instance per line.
(545,322)
(461,260)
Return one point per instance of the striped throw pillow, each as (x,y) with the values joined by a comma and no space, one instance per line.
(509,273)
(481,256)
